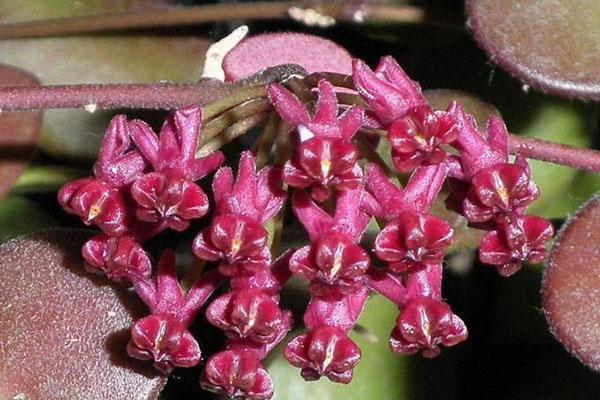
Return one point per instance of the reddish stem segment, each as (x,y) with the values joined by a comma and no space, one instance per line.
(171,96)
(350,11)
(151,96)
(586,159)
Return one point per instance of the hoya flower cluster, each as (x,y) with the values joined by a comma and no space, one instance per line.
(144,184)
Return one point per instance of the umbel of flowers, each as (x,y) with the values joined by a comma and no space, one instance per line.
(144,183)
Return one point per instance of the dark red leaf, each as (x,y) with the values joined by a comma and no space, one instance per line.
(63,331)
(551,45)
(571,299)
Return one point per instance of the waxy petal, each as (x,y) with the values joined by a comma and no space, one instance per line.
(119,164)
(324,351)
(120,258)
(249,314)
(165,341)
(424,325)
(388,91)
(237,374)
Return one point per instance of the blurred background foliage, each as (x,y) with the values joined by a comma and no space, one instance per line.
(510,353)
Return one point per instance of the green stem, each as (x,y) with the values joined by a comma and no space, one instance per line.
(231,133)
(228,118)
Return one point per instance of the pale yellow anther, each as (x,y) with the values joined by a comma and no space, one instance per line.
(329,354)
(420,139)
(236,244)
(94,211)
(501,189)
(325,167)
(252,312)
(337,262)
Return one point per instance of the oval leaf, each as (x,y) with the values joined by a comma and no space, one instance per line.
(64,332)
(552,45)
(259,52)
(570,295)
(19,131)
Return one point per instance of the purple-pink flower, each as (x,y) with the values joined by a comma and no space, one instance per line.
(165,341)
(169,196)
(236,236)
(101,200)
(325,156)
(237,374)
(425,324)
(413,241)
(525,238)
(325,351)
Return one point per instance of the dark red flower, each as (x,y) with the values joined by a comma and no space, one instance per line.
(478,150)
(499,191)
(164,340)
(324,351)
(325,157)
(413,241)
(96,203)
(169,199)
(334,263)
(120,258)
(525,238)
(321,163)
(424,325)
(249,314)
(168,196)
(387,201)
(417,138)
(388,90)
(102,199)
(237,241)
(237,374)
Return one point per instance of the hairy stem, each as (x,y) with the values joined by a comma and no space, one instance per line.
(349,11)
(585,159)
(219,97)
(149,96)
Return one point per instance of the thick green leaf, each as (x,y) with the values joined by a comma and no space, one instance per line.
(553,45)
(94,59)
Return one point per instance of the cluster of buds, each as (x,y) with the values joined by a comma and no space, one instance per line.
(144,184)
